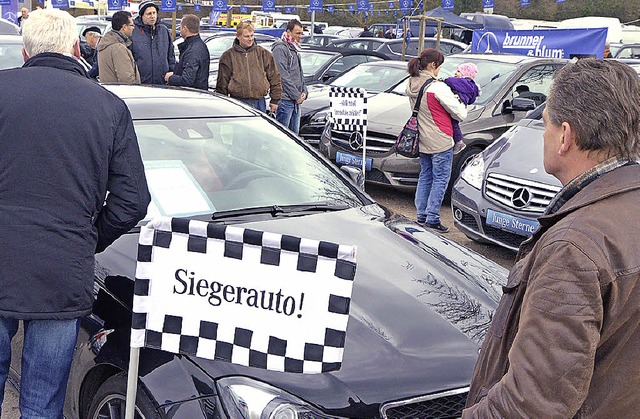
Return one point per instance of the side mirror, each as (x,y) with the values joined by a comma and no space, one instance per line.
(355,174)
(518,104)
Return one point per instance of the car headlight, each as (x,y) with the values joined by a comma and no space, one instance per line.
(249,399)
(474,171)
(320,117)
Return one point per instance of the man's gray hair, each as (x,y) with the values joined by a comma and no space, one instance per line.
(49,30)
(600,99)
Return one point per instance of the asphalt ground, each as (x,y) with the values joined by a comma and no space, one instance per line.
(398,201)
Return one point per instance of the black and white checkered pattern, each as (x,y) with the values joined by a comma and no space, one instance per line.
(202,337)
(342,123)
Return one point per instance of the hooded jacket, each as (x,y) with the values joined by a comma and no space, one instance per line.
(115,60)
(438,106)
(153,51)
(248,73)
(193,68)
(288,61)
(565,339)
(75,143)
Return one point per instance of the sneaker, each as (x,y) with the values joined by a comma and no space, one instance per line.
(438,227)
(421,222)
(458,147)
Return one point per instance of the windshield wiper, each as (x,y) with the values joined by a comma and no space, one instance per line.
(277,210)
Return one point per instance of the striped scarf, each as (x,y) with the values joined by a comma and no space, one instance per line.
(289,40)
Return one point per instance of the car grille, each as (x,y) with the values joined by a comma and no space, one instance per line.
(466,219)
(438,406)
(506,190)
(506,237)
(375,143)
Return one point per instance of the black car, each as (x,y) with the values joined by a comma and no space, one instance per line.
(323,65)
(392,48)
(374,77)
(420,307)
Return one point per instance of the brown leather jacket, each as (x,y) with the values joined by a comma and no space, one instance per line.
(565,339)
(248,74)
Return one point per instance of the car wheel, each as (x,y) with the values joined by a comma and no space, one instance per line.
(109,401)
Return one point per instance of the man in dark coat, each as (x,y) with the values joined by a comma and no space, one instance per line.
(193,68)
(88,50)
(151,45)
(75,144)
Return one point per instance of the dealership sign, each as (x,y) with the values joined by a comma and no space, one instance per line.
(550,43)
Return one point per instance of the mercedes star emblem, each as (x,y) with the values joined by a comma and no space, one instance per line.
(521,197)
(355,141)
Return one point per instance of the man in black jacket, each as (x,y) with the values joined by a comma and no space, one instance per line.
(193,68)
(75,144)
(151,45)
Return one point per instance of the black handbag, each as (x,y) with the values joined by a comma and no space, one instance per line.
(407,143)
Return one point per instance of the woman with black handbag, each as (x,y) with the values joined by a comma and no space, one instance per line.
(437,106)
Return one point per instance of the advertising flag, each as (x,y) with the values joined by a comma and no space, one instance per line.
(316,6)
(448,4)
(268,5)
(167,5)
(220,6)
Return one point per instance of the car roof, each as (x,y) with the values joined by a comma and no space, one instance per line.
(175,103)
(503,58)
(330,49)
(386,63)
(11,39)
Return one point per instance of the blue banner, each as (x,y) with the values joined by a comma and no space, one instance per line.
(524,3)
(244,10)
(331,8)
(391,5)
(352,7)
(371,7)
(179,6)
(447,4)
(167,5)
(550,43)
(7,13)
(268,5)
(220,6)
(487,4)
(363,5)
(315,6)
(559,1)
(405,5)
(64,4)
(114,4)
(196,8)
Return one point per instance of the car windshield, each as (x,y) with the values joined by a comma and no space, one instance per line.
(313,61)
(202,166)
(218,45)
(491,74)
(10,55)
(373,78)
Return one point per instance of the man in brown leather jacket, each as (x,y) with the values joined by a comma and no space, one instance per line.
(247,72)
(565,339)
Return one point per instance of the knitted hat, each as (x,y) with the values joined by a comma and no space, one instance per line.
(143,6)
(468,70)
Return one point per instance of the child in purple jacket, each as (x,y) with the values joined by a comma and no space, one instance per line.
(467,90)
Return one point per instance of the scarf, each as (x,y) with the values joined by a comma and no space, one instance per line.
(289,40)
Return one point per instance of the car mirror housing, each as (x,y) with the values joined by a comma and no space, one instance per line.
(518,104)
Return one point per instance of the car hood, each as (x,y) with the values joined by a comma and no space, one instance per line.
(421,305)
(388,112)
(519,152)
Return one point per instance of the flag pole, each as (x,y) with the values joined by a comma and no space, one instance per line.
(132,383)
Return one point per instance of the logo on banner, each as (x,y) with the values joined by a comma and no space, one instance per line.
(315,6)
(196,8)
(60,4)
(168,6)
(220,6)
(363,5)
(447,4)
(550,43)
(268,6)
(244,296)
(405,5)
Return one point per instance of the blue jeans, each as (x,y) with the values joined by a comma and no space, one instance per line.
(435,171)
(288,114)
(260,104)
(46,362)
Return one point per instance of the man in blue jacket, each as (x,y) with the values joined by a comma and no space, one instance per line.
(193,68)
(151,45)
(75,144)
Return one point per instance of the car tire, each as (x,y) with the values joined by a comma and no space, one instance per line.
(109,401)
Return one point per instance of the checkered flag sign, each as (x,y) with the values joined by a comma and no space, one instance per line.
(244,296)
(348,108)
